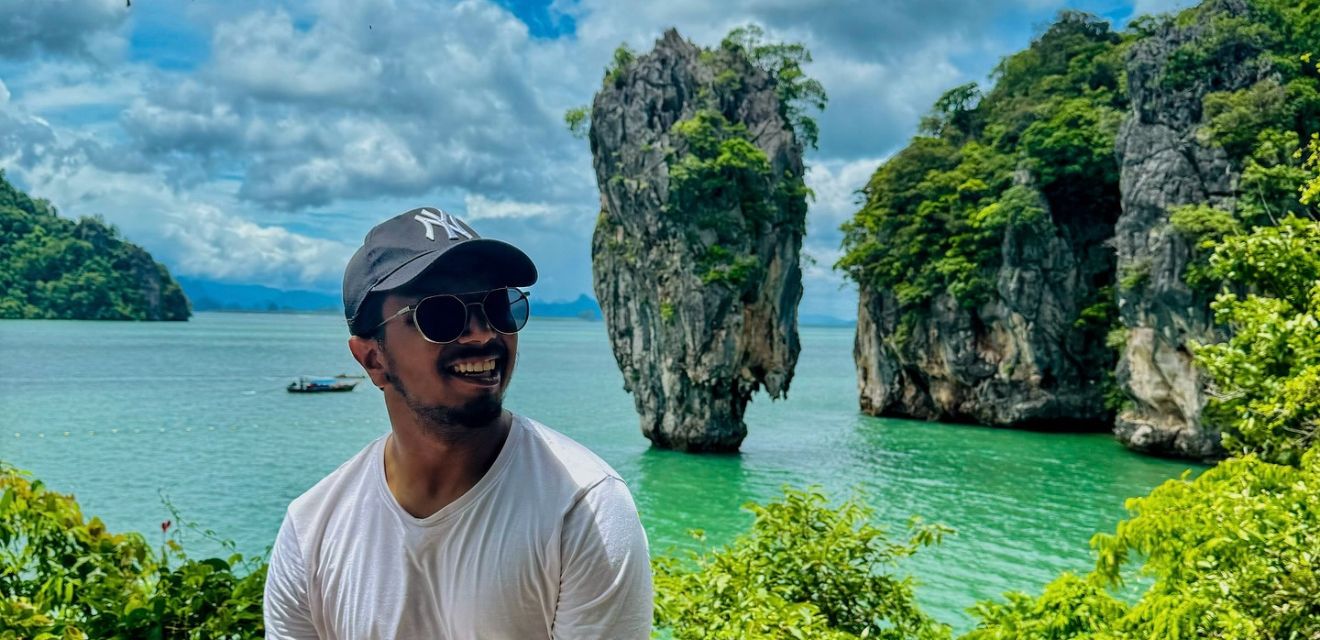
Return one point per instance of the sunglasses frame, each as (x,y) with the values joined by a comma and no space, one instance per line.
(412,308)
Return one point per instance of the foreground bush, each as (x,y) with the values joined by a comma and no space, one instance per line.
(67,578)
(1233,554)
(805,570)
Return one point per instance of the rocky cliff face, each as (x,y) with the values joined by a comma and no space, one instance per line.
(1164,166)
(1018,360)
(695,252)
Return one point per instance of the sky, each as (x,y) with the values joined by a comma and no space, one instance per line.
(256,142)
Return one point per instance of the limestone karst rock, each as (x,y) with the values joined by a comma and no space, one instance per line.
(985,281)
(695,252)
(1017,360)
(1148,149)
(1165,165)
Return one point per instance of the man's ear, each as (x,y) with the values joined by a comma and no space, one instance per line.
(368,353)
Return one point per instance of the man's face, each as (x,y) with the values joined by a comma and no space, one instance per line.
(461,383)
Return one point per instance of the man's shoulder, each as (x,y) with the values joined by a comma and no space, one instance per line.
(338,487)
(565,457)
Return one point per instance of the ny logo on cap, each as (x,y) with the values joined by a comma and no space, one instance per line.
(430,217)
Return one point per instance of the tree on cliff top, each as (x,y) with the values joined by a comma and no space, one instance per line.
(935,214)
(799,94)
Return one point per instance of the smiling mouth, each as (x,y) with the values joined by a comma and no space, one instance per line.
(483,371)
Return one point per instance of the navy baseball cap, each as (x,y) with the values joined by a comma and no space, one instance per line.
(401,249)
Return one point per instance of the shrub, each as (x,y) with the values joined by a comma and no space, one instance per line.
(1230,555)
(64,577)
(1266,375)
(805,570)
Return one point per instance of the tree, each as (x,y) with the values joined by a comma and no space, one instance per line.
(798,93)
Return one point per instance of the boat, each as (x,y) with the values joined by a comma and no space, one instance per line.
(350,375)
(308,384)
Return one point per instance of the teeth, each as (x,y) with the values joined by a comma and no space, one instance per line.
(485,366)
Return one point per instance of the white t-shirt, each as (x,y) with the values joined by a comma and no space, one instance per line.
(546,545)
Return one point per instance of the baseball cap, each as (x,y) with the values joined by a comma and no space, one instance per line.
(399,250)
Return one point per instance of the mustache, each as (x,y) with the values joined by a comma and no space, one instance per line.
(460,352)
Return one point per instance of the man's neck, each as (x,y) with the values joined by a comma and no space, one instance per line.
(425,472)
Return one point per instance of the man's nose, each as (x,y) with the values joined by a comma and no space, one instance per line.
(478,327)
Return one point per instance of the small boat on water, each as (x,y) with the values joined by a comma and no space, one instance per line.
(350,375)
(308,384)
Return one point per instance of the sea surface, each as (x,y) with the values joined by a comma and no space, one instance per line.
(129,415)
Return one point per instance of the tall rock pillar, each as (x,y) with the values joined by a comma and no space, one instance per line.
(1164,166)
(695,252)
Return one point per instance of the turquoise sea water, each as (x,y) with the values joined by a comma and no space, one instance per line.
(120,413)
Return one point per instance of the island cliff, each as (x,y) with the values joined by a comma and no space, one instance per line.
(1037,256)
(1167,163)
(985,282)
(55,268)
(695,252)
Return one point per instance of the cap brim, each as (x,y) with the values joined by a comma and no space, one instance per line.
(509,265)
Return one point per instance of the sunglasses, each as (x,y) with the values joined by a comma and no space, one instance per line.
(443,318)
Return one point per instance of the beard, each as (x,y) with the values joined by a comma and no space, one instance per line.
(474,414)
(477,413)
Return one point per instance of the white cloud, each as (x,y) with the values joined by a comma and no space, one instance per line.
(480,207)
(395,99)
(24,138)
(836,185)
(264,56)
(52,85)
(83,28)
(208,242)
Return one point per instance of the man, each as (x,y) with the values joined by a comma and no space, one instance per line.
(465,521)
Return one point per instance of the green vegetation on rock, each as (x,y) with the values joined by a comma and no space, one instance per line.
(798,93)
(719,180)
(1263,126)
(717,177)
(55,268)
(1041,140)
(623,56)
(1266,392)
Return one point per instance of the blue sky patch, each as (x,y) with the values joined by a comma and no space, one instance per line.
(541,19)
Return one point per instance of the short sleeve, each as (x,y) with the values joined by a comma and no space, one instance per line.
(605,580)
(287,612)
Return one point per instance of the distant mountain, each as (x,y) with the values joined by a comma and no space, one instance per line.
(208,295)
(583,307)
(820,320)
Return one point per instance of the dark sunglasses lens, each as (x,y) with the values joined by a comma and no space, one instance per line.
(441,318)
(507,310)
